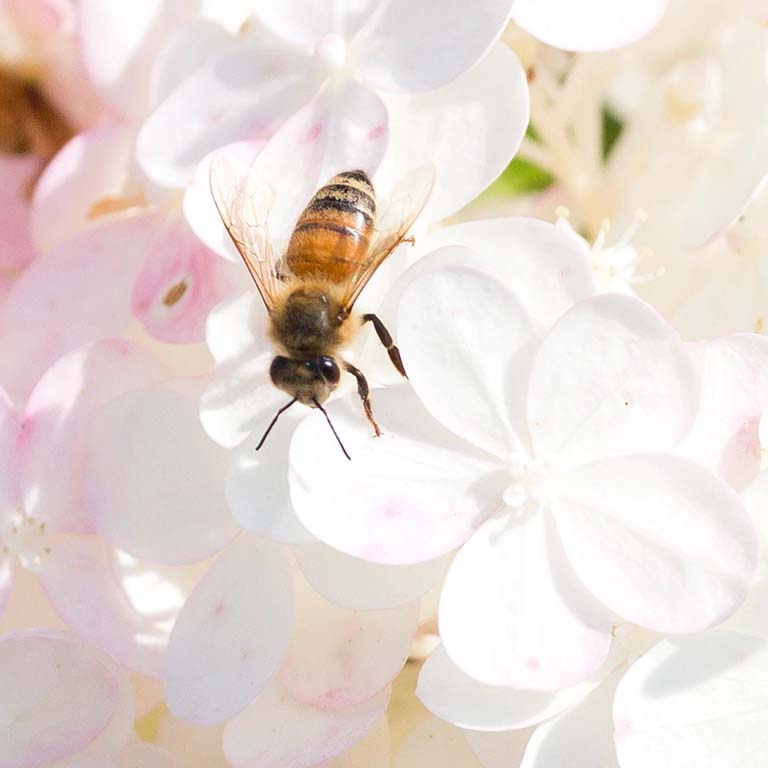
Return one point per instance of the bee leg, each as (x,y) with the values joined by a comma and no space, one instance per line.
(365,394)
(386,339)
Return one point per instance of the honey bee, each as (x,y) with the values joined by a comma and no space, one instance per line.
(338,242)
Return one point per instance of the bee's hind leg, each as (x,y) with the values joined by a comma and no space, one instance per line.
(365,394)
(386,339)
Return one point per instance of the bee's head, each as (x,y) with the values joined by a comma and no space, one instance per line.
(309,381)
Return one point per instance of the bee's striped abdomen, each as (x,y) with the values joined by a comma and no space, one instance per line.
(334,230)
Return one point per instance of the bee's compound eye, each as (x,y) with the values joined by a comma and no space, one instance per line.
(329,369)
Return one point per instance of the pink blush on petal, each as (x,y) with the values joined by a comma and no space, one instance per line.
(313,133)
(179,284)
(16,249)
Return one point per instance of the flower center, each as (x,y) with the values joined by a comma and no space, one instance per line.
(331,49)
(529,483)
(25,539)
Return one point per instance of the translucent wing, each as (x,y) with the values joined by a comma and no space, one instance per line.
(244,203)
(392,225)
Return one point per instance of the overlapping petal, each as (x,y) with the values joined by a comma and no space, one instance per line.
(695,700)
(442,318)
(362,651)
(58,697)
(9,431)
(658,539)
(611,377)
(265,733)
(588,25)
(53,434)
(412,494)
(16,246)
(513,612)
(442,127)
(413,57)
(230,637)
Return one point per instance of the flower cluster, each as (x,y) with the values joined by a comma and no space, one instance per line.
(557,541)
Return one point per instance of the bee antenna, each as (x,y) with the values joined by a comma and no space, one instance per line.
(273,422)
(328,419)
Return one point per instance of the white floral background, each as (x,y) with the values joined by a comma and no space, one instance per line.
(555,553)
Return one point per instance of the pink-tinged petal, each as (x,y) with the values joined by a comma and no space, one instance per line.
(154,481)
(734,395)
(58,697)
(90,170)
(450,694)
(197,746)
(442,317)
(372,751)
(362,586)
(244,94)
(589,25)
(413,57)
(698,700)
(344,127)
(82,582)
(6,582)
(362,651)
(278,732)
(658,539)
(16,246)
(581,737)
(257,489)
(80,292)
(139,754)
(231,635)
(180,283)
(491,100)
(305,22)
(119,46)
(500,749)
(610,377)
(434,742)
(53,433)
(413,494)
(9,432)
(739,165)
(39,20)
(189,46)
(547,269)
(513,612)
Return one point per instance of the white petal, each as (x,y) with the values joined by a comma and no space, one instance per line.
(54,430)
(734,395)
(476,391)
(581,737)
(119,46)
(500,749)
(343,127)
(698,700)
(513,612)
(58,697)
(9,431)
(278,732)
(547,269)
(434,742)
(658,539)
(362,586)
(81,581)
(257,489)
(410,495)
(589,25)
(154,483)
(6,582)
(304,22)
(610,377)
(414,56)
(231,635)
(469,129)
(362,651)
(244,94)
(452,695)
